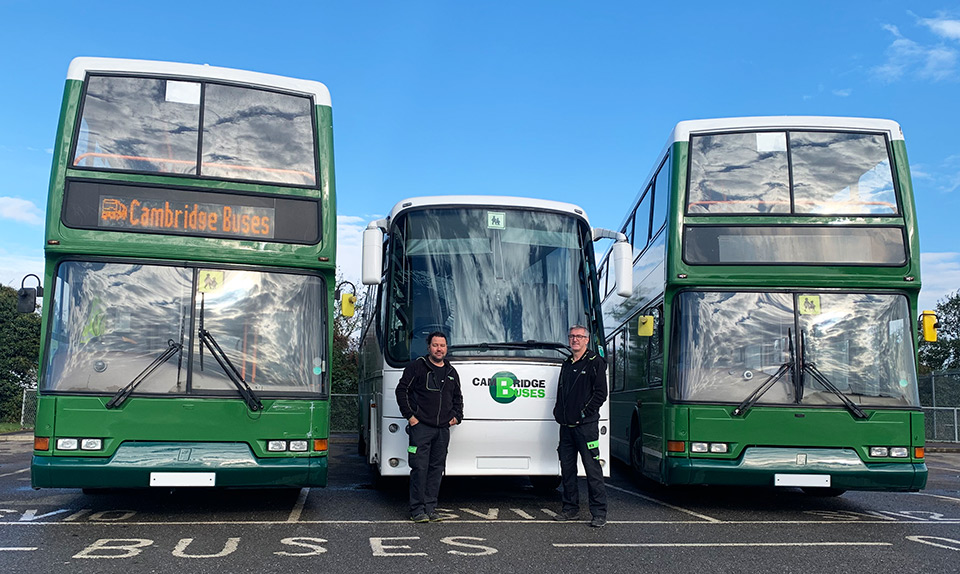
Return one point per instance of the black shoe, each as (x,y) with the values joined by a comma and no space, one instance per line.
(434,517)
(567,516)
(598,521)
(420,517)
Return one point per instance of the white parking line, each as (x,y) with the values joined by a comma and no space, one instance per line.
(937,496)
(15,472)
(298,507)
(19,549)
(662,503)
(714,544)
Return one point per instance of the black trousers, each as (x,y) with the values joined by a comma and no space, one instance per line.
(583,440)
(427,457)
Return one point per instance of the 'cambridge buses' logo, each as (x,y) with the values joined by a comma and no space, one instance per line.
(505,387)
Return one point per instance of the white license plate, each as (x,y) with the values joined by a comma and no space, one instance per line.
(821,480)
(183,478)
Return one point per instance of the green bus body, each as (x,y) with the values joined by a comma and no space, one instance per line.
(653,428)
(170,434)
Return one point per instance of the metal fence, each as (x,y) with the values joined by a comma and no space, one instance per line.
(940,397)
(343,412)
(28,409)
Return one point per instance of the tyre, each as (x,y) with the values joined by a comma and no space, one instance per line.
(545,483)
(815,491)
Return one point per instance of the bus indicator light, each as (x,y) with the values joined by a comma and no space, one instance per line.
(43,443)
(320,445)
(676,446)
(918,452)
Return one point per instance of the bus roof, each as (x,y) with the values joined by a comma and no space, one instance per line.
(486,201)
(683,129)
(79,68)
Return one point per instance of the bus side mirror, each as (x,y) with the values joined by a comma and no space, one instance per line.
(372,265)
(645,326)
(929,326)
(623,266)
(27,296)
(348,304)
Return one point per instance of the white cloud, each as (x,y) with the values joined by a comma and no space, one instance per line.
(940,273)
(13,268)
(943,26)
(926,62)
(20,210)
(843,93)
(349,245)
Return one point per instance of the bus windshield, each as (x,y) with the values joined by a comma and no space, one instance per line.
(485,276)
(791,172)
(111,320)
(730,343)
(156,125)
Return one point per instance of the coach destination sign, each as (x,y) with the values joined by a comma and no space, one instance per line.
(108,206)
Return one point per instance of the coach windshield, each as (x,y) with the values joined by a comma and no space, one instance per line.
(486,276)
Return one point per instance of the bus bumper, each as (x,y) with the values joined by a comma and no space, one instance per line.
(759,466)
(230,465)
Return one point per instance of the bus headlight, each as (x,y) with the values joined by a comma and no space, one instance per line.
(298,446)
(91,444)
(899,452)
(879,451)
(718,447)
(276,445)
(67,444)
(699,447)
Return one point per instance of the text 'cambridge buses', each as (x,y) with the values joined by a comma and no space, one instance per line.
(114,212)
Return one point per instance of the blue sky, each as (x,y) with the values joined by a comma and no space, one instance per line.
(550,99)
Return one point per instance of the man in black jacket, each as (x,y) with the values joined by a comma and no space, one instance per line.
(581,391)
(430,399)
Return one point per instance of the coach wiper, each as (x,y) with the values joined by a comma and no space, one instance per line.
(206,338)
(172,349)
(767,384)
(512,346)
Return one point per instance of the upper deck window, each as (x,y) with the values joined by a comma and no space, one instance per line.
(791,172)
(150,125)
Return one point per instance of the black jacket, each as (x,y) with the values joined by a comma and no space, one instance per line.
(582,389)
(430,393)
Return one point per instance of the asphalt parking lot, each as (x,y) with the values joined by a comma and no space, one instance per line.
(492,525)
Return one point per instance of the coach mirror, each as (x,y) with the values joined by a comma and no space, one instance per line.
(623,264)
(27,296)
(372,262)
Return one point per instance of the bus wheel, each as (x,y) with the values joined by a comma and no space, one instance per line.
(545,483)
(361,443)
(815,491)
(636,451)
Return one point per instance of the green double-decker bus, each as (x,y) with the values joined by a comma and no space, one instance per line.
(190,261)
(771,335)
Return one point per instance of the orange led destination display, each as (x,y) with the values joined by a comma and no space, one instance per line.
(186,217)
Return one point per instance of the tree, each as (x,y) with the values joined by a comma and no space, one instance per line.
(344,363)
(945,353)
(19,352)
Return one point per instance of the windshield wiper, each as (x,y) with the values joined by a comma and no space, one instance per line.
(767,384)
(811,368)
(206,338)
(172,349)
(823,380)
(511,346)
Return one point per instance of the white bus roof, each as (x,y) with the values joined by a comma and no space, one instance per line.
(486,201)
(683,129)
(80,66)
